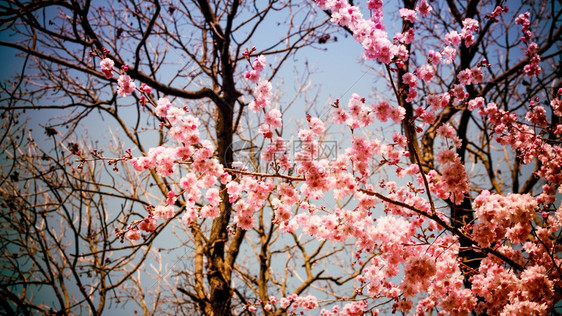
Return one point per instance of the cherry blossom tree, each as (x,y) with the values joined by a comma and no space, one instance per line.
(453,208)
(189,53)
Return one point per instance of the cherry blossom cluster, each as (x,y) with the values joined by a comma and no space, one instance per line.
(532,68)
(497,12)
(292,302)
(257,66)
(205,171)
(506,293)
(470,76)
(523,20)
(125,84)
(466,34)
(526,141)
(369,33)
(503,216)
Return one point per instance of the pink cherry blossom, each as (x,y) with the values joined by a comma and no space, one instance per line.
(452,38)
(148,224)
(449,53)
(126,85)
(133,234)
(252,75)
(172,198)
(408,15)
(424,8)
(262,94)
(213,197)
(259,63)
(465,77)
(316,126)
(426,72)
(434,57)
(107,67)
(162,107)
(273,119)
(189,216)
(163,212)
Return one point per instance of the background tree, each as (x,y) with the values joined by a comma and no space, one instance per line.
(59,251)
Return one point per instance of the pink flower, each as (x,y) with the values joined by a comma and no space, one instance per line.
(523,20)
(447,156)
(428,117)
(382,110)
(434,57)
(252,75)
(408,15)
(475,103)
(209,211)
(174,115)
(172,198)
(190,216)
(144,88)
(447,131)
(465,77)
(162,107)
(470,25)
(141,163)
(273,119)
(316,126)
(257,67)
(245,222)
(262,95)
(188,181)
(163,212)
(107,64)
(424,8)
(399,139)
(425,72)
(477,76)
(259,63)
(148,224)
(263,89)
(452,38)
(558,130)
(107,67)
(397,113)
(375,5)
(341,17)
(410,79)
(126,85)
(537,116)
(497,11)
(213,196)
(307,303)
(449,54)
(284,302)
(133,234)
(458,92)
